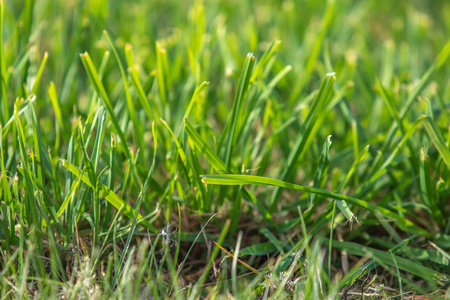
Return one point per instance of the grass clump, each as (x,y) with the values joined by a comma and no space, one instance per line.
(145,155)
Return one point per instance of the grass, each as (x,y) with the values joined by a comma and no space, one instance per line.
(224,149)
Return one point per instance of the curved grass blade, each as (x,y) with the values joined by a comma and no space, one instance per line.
(230,179)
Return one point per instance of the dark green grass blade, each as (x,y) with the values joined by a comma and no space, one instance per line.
(403,264)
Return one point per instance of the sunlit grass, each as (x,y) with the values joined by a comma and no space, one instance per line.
(224,149)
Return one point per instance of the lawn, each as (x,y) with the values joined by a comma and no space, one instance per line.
(224,149)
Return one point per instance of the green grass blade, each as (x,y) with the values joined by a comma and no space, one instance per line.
(238,105)
(3,74)
(68,197)
(32,217)
(265,59)
(151,114)
(98,86)
(127,243)
(105,192)
(220,166)
(37,81)
(438,140)
(213,159)
(403,264)
(56,107)
(438,63)
(131,109)
(307,126)
(404,223)
(161,75)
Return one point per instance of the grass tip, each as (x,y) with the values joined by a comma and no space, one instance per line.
(204,181)
(331,74)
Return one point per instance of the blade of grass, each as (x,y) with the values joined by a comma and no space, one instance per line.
(438,140)
(56,107)
(403,264)
(229,179)
(437,64)
(109,195)
(319,102)
(127,243)
(238,106)
(37,80)
(220,166)
(30,205)
(3,74)
(137,126)
(100,90)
